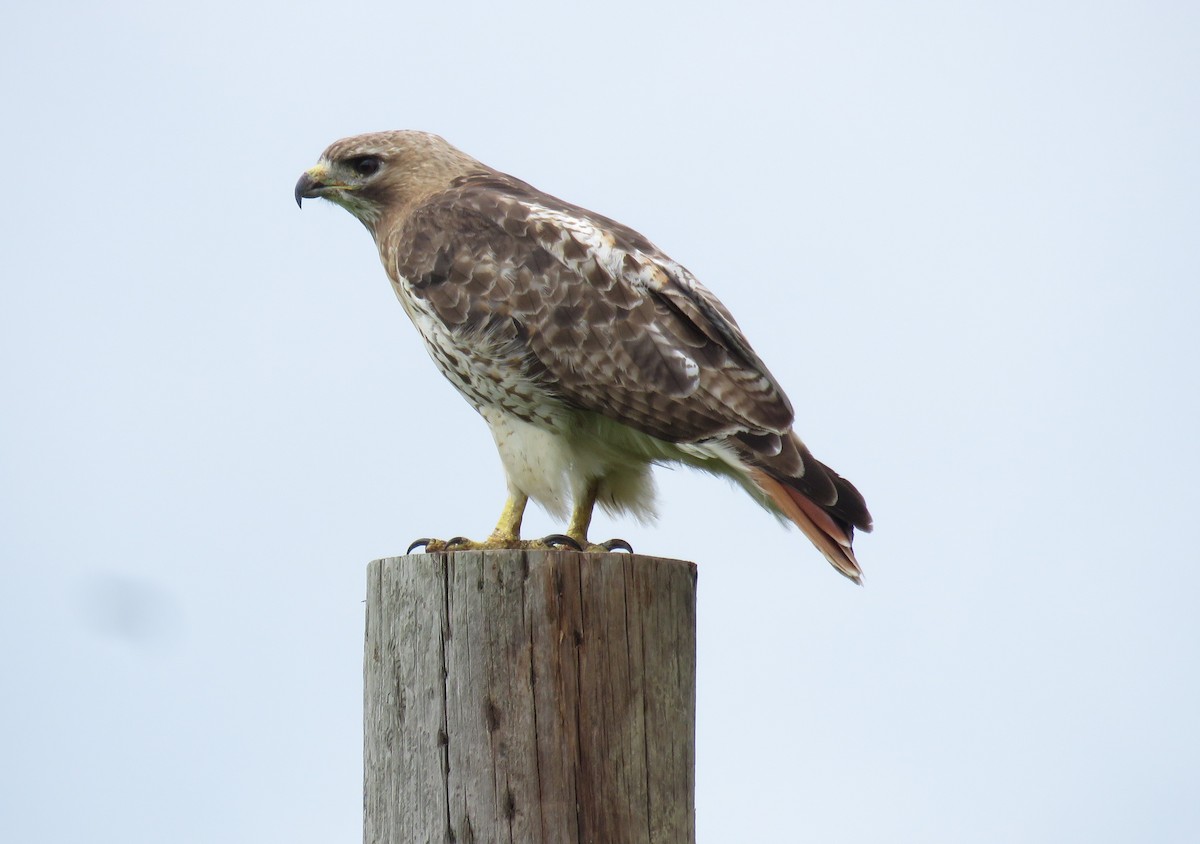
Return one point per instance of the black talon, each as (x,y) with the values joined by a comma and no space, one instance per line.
(457,540)
(556,539)
(614,544)
(418,543)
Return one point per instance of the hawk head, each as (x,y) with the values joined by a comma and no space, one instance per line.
(383,173)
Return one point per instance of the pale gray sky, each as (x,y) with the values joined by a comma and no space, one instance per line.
(963,236)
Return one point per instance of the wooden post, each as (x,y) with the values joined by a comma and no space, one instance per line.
(537,697)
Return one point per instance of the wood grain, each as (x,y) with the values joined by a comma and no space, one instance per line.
(530,696)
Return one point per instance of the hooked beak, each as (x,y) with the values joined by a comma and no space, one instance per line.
(311,184)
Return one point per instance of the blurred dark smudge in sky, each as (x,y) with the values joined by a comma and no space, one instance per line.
(130,609)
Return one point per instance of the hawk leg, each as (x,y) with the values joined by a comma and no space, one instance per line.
(506,535)
(581,520)
(581,516)
(508,531)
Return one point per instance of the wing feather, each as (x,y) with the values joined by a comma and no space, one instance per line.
(610,324)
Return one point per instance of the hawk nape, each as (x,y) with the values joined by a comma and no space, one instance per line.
(590,354)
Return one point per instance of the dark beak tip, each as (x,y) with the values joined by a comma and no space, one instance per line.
(304,189)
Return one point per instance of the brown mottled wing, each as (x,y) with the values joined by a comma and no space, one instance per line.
(609,323)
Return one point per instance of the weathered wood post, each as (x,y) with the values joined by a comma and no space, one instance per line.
(539,697)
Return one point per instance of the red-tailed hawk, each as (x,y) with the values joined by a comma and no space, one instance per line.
(590,354)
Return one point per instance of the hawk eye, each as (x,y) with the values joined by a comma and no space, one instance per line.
(365,165)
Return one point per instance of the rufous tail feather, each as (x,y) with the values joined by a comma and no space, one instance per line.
(831,539)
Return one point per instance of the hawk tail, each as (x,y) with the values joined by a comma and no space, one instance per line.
(834,540)
(824,505)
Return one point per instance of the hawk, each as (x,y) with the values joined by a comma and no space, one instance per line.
(590,353)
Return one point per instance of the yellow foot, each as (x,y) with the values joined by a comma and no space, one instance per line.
(461,543)
(553,542)
(608,547)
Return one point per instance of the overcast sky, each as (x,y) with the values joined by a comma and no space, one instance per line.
(963,236)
